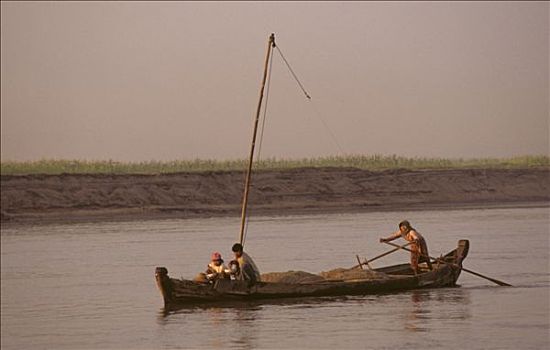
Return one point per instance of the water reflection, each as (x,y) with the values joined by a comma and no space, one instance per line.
(418,312)
(302,302)
(245,328)
(439,305)
(230,325)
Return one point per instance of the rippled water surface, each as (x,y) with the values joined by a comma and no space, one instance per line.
(92,285)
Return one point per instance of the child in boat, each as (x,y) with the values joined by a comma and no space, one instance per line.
(216,269)
(419,248)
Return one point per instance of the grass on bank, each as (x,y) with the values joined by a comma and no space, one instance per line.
(374,162)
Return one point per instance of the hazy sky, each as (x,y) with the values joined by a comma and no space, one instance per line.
(139,81)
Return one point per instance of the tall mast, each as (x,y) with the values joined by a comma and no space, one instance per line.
(270,45)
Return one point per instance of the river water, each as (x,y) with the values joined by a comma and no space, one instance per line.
(92,286)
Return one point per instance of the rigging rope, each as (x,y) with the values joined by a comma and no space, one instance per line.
(265,107)
(317,114)
(261,131)
(292,72)
(332,136)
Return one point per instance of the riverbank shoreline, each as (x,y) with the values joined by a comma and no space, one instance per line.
(74,198)
(97,216)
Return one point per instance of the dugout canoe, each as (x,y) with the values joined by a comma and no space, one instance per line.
(393,278)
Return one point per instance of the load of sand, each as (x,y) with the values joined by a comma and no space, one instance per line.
(342,274)
(291,277)
(339,274)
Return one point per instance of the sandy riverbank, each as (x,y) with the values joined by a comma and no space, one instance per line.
(74,198)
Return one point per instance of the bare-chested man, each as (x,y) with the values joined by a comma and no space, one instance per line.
(419,249)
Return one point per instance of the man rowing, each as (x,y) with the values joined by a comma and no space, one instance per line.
(419,248)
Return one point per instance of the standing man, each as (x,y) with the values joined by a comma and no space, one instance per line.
(419,248)
(248,271)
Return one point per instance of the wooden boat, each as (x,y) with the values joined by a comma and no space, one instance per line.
(394,278)
(445,273)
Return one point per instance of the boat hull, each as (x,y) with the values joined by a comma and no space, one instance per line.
(391,279)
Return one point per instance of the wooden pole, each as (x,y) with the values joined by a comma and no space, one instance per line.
(270,45)
(359,261)
(500,283)
(381,255)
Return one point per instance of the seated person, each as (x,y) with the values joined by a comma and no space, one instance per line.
(217,269)
(247,269)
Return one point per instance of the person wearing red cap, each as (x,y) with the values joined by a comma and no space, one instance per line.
(216,268)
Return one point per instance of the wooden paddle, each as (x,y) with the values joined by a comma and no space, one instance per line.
(500,283)
(379,256)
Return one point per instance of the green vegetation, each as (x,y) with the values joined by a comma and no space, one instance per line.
(374,162)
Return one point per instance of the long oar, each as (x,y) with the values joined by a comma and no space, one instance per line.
(500,283)
(381,255)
